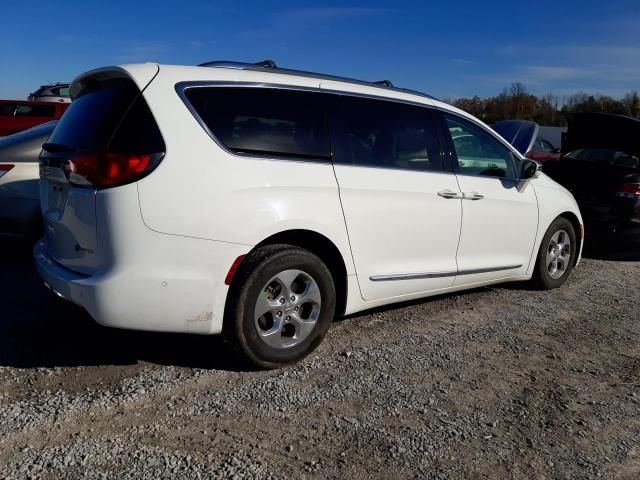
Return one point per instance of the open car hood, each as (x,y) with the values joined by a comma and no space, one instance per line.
(602,131)
(521,134)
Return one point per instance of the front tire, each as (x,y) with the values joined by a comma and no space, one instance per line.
(281,304)
(557,255)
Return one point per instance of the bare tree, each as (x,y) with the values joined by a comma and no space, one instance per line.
(631,102)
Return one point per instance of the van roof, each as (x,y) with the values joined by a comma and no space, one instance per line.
(144,73)
(271,67)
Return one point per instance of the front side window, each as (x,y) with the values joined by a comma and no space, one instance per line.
(377,133)
(478,152)
(264,121)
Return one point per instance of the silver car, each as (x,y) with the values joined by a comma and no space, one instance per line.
(56,92)
(19,176)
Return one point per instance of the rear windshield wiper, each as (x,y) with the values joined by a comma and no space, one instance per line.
(56,148)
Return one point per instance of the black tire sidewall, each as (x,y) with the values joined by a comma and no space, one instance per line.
(543,277)
(258,271)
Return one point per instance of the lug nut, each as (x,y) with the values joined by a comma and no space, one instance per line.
(279,314)
(293,298)
(295,309)
(288,318)
(282,300)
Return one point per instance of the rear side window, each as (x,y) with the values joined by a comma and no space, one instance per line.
(7,109)
(112,116)
(35,111)
(383,134)
(264,121)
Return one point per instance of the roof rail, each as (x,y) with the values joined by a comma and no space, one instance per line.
(270,66)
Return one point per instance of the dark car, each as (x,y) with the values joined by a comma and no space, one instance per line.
(600,165)
(19,115)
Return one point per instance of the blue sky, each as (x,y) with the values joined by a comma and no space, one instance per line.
(449,49)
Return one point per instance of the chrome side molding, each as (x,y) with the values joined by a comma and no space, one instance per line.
(410,276)
(418,276)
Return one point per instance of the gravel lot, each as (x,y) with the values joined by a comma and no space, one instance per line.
(499,382)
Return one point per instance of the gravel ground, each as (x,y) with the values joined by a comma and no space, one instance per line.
(498,382)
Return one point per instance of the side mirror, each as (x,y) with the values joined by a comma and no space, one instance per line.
(530,169)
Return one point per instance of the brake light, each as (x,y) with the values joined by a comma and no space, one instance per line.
(4,169)
(629,190)
(108,169)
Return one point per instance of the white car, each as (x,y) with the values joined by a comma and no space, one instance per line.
(261,202)
(19,177)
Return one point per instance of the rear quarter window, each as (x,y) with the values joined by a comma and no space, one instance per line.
(264,121)
(113,116)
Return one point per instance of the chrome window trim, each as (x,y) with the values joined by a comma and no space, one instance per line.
(417,276)
(396,169)
(182,87)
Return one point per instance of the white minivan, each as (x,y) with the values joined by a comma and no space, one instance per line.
(262,202)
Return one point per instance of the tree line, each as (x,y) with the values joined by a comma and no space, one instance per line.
(516,102)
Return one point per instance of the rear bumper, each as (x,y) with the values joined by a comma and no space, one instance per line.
(62,281)
(186,294)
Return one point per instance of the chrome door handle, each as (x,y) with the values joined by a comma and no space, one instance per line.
(449,194)
(472,196)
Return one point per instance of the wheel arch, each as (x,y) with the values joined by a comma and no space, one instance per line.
(324,248)
(321,246)
(575,222)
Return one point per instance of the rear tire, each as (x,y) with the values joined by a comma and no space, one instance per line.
(557,255)
(280,305)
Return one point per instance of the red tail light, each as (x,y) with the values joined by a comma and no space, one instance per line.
(629,190)
(4,169)
(108,169)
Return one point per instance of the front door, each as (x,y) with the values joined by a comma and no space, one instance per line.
(499,212)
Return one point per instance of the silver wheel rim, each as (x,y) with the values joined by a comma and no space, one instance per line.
(287,309)
(558,254)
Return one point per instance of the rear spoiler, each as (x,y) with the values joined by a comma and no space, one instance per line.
(141,74)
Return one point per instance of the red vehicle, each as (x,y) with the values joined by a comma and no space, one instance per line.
(18,115)
(543,150)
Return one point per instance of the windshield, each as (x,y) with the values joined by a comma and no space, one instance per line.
(604,155)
